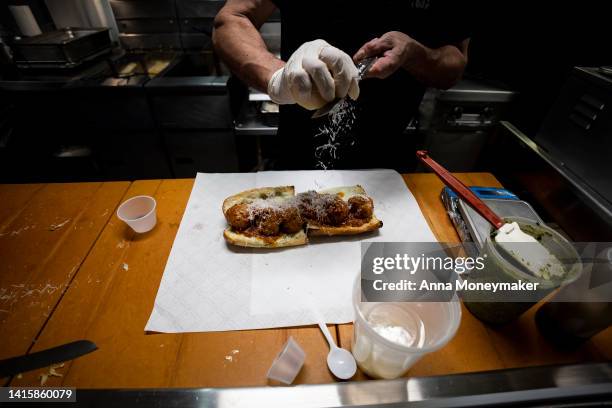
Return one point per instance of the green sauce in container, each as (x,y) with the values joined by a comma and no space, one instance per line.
(501,266)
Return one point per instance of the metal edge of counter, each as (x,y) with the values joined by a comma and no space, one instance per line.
(560,384)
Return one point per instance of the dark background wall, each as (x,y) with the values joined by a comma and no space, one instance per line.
(532,45)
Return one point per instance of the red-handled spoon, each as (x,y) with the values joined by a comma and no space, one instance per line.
(461,190)
(527,250)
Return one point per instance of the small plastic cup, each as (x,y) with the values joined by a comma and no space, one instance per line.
(287,365)
(417,328)
(139,213)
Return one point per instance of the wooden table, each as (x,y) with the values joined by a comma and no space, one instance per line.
(71,270)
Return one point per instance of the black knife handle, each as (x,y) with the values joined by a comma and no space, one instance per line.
(44,358)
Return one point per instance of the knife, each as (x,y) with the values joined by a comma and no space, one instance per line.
(44,358)
(363,67)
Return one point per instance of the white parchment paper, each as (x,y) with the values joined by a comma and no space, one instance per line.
(209,285)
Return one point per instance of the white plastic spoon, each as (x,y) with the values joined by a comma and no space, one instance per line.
(340,361)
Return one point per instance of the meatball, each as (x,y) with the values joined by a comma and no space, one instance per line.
(292,221)
(306,205)
(238,216)
(361,207)
(268,221)
(336,211)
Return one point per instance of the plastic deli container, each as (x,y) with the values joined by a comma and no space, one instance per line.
(389,337)
(500,266)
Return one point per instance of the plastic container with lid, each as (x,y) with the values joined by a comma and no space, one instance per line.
(500,266)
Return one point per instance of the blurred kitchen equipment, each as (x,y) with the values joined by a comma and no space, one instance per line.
(258,116)
(576,132)
(25,20)
(80,13)
(456,123)
(287,365)
(570,324)
(193,113)
(65,48)
(339,361)
(564,320)
(606,70)
(147,24)
(166,24)
(565,166)
(363,67)
(6,55)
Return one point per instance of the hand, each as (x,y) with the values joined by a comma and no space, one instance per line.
(392,48)
(315,74)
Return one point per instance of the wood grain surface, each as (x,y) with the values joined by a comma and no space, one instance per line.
(112,297)
(107,278)
(46,232)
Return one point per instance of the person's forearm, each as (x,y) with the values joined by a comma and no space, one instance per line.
(239,44)
(441,67)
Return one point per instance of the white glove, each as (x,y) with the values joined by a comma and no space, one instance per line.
(315,74)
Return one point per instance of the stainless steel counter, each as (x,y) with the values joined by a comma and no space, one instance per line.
(567,386)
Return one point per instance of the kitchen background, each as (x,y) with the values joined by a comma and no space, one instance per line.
(131,89)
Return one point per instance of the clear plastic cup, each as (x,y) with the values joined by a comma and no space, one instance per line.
(287,365)
(139,213)
(417,328)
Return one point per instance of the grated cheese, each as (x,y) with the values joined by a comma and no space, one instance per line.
(335,132)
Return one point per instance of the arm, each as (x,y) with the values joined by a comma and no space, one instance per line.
(314,74)
(237,41)
(440,67)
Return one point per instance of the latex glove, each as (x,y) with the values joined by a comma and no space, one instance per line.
(315,74)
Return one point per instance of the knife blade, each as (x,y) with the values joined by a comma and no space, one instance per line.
(44,358)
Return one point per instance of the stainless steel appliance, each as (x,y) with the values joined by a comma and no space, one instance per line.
(166,24)
(65,48)
(458,122)
(576,135)
(194,119)
(196,22)
(564,169)
(566,166)
(147,24)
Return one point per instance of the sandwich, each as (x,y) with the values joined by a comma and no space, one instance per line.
(264,218)
(338,211)
(275,217)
